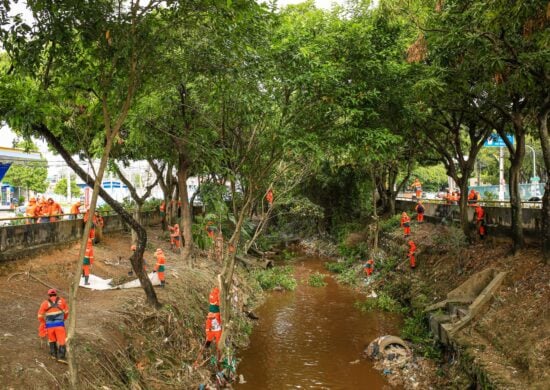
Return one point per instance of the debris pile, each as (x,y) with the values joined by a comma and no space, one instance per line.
(393,357)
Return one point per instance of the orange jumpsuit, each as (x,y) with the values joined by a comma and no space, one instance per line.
(92,228)
(417,186)
(52,315)
(269,197)
(406,224)
(213,329)
(45,212)
(160,267)
(30,211)
(369,267)
(88,261)
(419,212)
(75,210)
(480,221)
(55,211)
(214,303)
(412,251)
(175,235)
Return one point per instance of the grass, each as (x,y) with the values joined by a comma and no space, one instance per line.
(317,279)
(384,303)
(415,329)
(281,277)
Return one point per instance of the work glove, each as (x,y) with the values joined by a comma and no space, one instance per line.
(42,330)
(154,271)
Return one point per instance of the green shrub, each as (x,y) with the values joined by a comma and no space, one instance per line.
(415,329)
(384,302)
(276,277)
(317,279)
(349,276)
(390,223)
(340,266)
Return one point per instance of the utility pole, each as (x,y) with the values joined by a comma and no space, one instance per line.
(501,174)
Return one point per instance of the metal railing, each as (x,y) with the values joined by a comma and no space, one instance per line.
(488,203)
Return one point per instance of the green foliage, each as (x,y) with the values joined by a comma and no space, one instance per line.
(151,204)
(349,276)
(277,277)
(415,328)
(317,279)
(32,176)
(383,302)
(340,266)
(432,177)
(61,187)
(390,224)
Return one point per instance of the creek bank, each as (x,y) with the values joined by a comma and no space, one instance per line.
(503,343)
(121,342)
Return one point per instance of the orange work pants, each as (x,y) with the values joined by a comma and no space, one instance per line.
(420,217)
(213,335)
(412,260)
(56,334)
(407,230)
(86,270)
(161,276)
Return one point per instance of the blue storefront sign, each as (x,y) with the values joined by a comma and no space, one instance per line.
(496,141)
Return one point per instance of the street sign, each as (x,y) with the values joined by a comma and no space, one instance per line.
(496,141)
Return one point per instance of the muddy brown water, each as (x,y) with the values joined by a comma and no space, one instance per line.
(313,338)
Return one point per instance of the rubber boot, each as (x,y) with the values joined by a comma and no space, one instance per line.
(53,350)
(61,355)
(86,280)
(162,283)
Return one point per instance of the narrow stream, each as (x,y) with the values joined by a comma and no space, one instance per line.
(313,338)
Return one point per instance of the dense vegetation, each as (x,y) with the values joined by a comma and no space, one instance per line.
(324,108)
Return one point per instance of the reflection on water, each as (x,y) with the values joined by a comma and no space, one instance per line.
(313,338)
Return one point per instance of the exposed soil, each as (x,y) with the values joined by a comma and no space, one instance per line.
(510,340)
(118,345)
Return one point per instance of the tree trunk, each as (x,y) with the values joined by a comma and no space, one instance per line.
(137,217)
(137,259)
(542,120)
(516,160)
(463,203)
(186,223)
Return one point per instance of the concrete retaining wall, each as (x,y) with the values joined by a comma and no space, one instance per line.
(21,240)
(499,219)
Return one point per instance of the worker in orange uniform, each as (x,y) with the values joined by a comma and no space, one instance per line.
(412,251)
(55,210)
(175,236)
(406,224)
(472,197)
(417,187)
(30,211)
(45,210)
(269,197)
(88,261)
(91,235)
(75,210)
(480,221)
(52,315)
(213,330)
(369,267)
(160,266)
(419,212)
(214,303)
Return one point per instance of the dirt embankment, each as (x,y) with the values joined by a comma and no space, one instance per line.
(121,342)
(509,341)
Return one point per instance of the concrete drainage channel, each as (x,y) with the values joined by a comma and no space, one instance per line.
(460,307)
